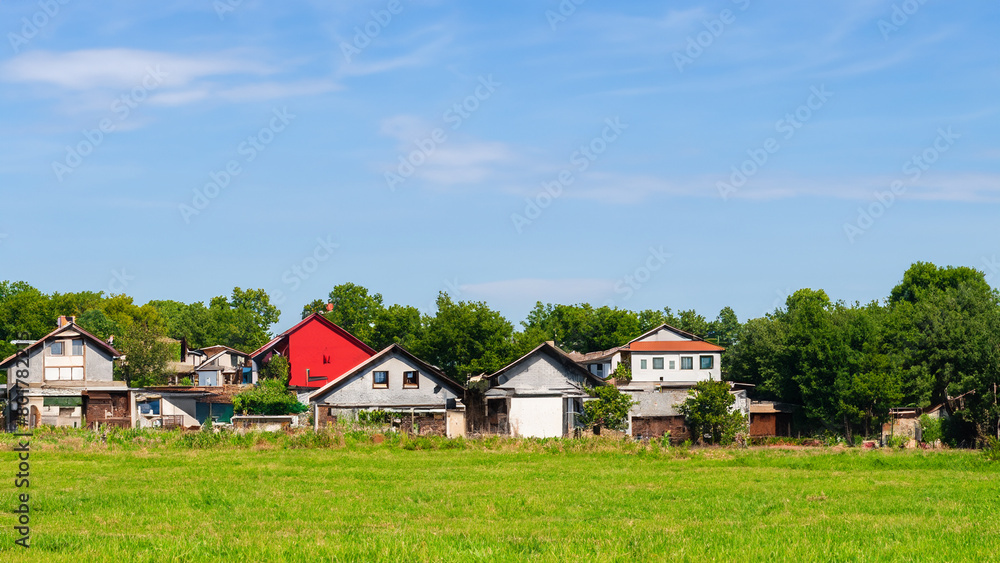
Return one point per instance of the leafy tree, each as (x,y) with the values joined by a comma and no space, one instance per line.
(355,310)
(609,410)
(725,330)
(707,411)
(269,397)
(146,356)
(277,368)
(466,338)
(398,324)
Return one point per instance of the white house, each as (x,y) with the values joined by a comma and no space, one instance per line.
(539,395)
(670,355)
(418,395)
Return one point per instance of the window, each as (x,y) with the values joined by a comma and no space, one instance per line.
(642,364)
(687,362)
(380,379)
(600,368)
(410,379)
(673,364)
(78,347)
(56,349)
(707,362)
(657,363)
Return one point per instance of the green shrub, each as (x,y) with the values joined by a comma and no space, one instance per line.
(269,397)
(374,418)
(992,449)
(931,429)
(898,441)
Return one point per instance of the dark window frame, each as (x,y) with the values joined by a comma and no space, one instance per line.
(407,375)
(660,361)
(688,361)
(376,384)
(711,362)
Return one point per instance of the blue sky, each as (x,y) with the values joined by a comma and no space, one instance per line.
(641,154)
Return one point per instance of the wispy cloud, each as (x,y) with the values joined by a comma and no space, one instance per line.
(122,68)
(420,57)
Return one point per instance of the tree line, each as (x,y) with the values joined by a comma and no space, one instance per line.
(935,336)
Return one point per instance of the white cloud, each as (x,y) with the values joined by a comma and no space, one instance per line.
(122,68)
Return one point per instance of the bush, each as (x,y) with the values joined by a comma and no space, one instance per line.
(270,397)
(898,441)
(374,418)
(931,429)
(992,449)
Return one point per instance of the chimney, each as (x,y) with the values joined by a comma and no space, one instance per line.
(184,349)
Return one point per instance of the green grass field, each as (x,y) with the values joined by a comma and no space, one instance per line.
(551,501)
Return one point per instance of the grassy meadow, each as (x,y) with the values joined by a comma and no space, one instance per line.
(346,498)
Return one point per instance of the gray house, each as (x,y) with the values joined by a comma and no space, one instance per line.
(538,395)
(419,396)
(66,379)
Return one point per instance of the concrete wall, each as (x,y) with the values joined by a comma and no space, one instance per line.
(675,374)
(540,373)
(184,406)
(536,417)
(358,390)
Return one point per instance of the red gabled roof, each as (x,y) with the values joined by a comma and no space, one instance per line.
(68,326)
(675,346)
(323,320)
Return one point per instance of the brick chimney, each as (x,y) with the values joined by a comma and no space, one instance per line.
(64,320)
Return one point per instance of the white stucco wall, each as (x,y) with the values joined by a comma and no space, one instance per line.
(536,417)
(676,374)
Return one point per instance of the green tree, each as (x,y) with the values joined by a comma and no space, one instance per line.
(608,410)
(355,310)
(707,410)
(145,356)
(278,369)
(466,338)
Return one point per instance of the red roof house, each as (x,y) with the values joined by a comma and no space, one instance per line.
(318,352)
